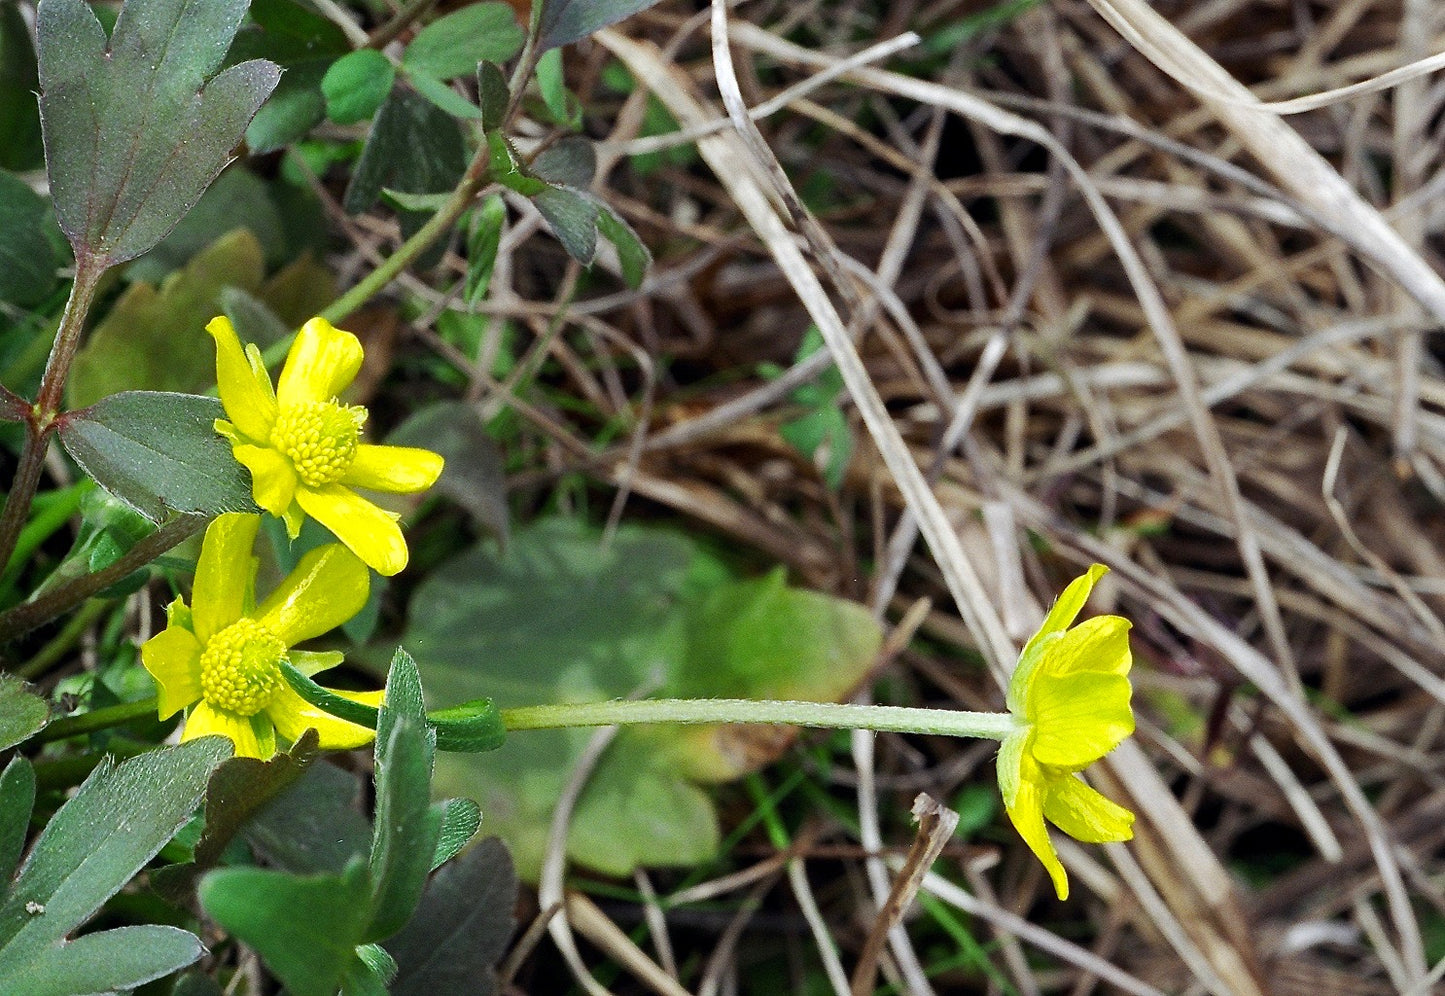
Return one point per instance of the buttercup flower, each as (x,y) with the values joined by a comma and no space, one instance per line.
(220,657)
(304,448)
(1070,697)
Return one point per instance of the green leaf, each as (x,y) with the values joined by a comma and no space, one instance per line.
(30,246)
(22,714)
(407,826)
(111,960)
(134,131)
(413,147)
(444,97)
(484,241)
(17,800)
(493,94)
(452,46)
(562,22)
(108,529)
(474,476)
(238,199)
(461,818)
(573,217)
(96,843)
(370,972)
(632,256)
(306,928)
(19,114)
(135,347)
(304,44)
(159,452)
(571,162)
(561,103)
(356,84)
(314,825)
(561,618)
(460,929)
(507,170)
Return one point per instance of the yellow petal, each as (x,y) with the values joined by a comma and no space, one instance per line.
(1027,815)
(252,735)
(250,407)
(371,533)
(273,477)
(397,469)
(1099,645)
(1084,813)
(328,587)
(223,573)
(173,658)
(1078,718)
(293,716)
(322,361)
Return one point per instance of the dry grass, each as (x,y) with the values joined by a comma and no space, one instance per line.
(1080,318)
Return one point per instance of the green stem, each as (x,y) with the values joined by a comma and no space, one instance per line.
(824,715)
(40,424)
(97,720)
(62,598)
(436,226)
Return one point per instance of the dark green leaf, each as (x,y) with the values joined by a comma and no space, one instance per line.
(483,242)
(22,714)
(134,132)
(159,452)
(562,22)
(632,256)
(296,107)
(243,785)
(19,114)
(304,43)
(573,217)
(95,844)
(413,147)
(461,818)
(407,827)
(356,84)
(118,959)
(29,253)
(452,46)
(305,928)
(17,799)
(238,199)
(473,477)
(460,929)
(313,826)
(492,94)
(571,162)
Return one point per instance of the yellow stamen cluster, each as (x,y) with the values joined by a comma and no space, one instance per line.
(320,437)
(241,668)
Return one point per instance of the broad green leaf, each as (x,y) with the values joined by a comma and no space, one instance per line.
(17,800)
(452,944)
(573,217)
(134,129)
(238,199)
(356,84)
(484,241)
(560,618)
(111,960)
(461,818)
(159,452)
(313,826)
(30,245)
(22,713)
(407,826)
(444,97)
(118,820)
(19,114)
(413,147)
(304,44)
(451,46)
(305,927)
(243,785)
(571,162)
(562,22)
(493,94)
(474,476)
(632,256)
(154,339)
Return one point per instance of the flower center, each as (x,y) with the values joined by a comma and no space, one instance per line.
(241,668)
(320,438)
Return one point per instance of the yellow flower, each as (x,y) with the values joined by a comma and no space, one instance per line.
(221,658)
(304,448)
(1070,697)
